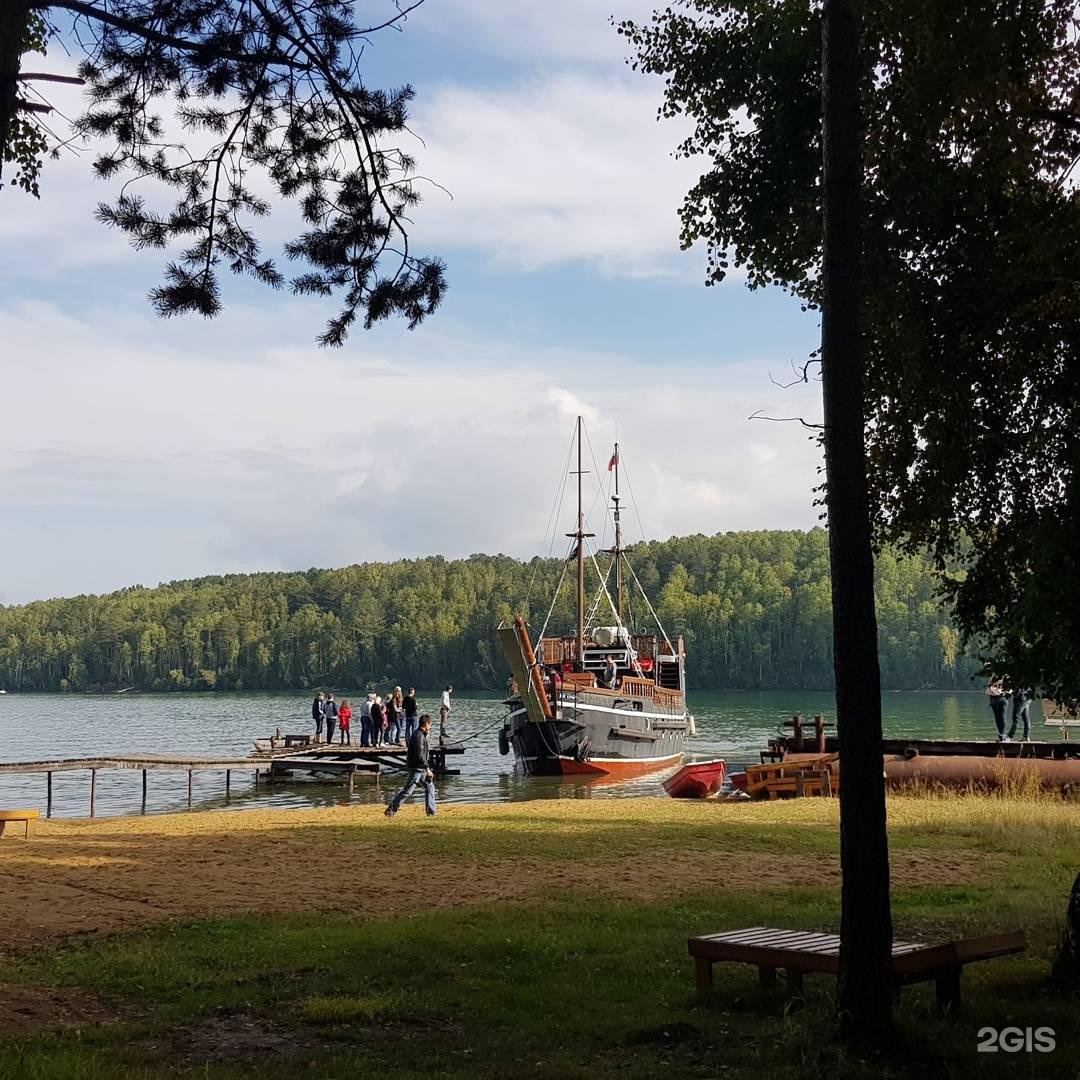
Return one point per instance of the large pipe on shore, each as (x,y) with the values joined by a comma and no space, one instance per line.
(956,771)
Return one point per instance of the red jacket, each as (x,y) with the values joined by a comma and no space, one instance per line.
(344,716)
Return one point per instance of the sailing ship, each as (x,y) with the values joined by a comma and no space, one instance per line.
(602,699)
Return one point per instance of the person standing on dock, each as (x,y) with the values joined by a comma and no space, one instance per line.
(418,764)
(1020,707)
(330,716)
(365,720)
(408,705)
(344,716)
(392,722)
(317,715)
(998,702)
(377,721)
(444,710)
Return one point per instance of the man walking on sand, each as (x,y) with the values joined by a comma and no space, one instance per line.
(418,764)
(444,710)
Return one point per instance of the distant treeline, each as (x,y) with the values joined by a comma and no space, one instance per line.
(753,606)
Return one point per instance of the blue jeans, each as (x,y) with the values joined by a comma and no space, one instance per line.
(997,705)
(365,730)
(331,723)
(410,727)
(392,732)
(1021,713)
(417,776)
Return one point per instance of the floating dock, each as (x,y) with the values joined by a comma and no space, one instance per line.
(351,760)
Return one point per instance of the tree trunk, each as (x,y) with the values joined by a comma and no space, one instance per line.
(1067,961)
(13,21)
(865,986)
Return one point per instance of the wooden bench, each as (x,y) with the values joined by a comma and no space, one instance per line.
(28,817)
(800,953)
(1056,715)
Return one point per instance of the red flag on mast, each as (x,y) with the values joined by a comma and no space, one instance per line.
(614,460)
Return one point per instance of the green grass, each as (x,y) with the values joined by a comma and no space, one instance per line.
(576,986)
(356,1009)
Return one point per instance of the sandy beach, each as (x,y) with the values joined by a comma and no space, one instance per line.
(107,875)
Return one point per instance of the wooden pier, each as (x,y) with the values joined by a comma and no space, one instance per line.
(144,762)
(814,736)
(1064,750)
(274,765)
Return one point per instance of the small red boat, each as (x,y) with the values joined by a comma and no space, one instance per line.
(696,780)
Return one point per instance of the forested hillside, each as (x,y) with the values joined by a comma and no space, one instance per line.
(754,608)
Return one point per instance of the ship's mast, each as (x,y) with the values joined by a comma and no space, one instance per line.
(580,557)
(580,535)
(616,551)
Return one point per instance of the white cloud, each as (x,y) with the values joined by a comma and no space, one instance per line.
(561,160)
(123,461)
(567,168)
(566,31)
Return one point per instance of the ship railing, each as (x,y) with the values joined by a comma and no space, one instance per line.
(560,650)
(636,687)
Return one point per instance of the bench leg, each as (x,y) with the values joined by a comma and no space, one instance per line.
(947,984)
(703,974)
(766,976)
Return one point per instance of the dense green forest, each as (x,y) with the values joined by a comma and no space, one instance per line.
(753,606)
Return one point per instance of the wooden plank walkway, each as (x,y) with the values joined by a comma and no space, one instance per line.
(321,758)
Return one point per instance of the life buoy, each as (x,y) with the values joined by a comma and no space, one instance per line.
(504,742)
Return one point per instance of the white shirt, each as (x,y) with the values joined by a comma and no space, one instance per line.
(446,699)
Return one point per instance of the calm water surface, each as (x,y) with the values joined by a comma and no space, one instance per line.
(35,727)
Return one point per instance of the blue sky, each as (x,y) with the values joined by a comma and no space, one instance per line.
(136,450)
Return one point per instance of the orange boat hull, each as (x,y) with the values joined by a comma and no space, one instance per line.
(566,766)
(696,780)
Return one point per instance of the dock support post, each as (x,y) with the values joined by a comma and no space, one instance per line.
(796,732)
(227,777)
(819,732)
(144,791)
(352,776)
(48,793)
(189,775)
(93,790)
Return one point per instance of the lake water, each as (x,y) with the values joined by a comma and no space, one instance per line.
(36,727)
